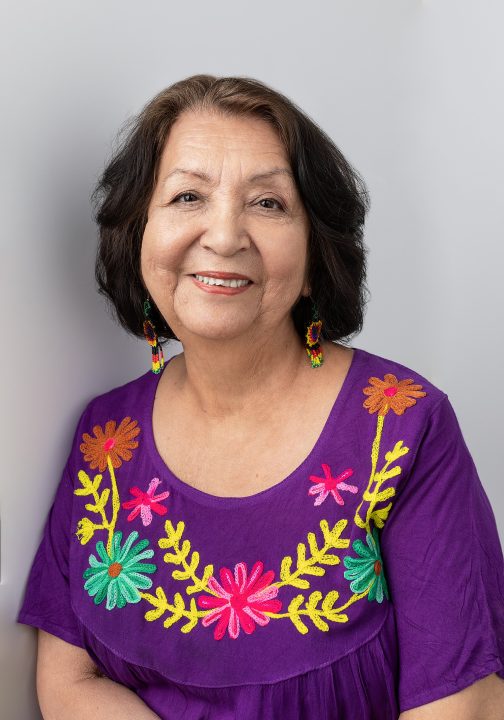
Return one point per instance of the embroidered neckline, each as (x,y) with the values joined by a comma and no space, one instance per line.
(200,496)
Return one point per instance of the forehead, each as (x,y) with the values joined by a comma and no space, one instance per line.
(205,138)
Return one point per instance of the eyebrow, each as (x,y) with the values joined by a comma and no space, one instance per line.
(251,179)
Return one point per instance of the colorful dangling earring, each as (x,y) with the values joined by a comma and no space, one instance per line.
(313,331)
(152,339)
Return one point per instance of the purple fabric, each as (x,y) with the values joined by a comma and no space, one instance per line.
(393,595)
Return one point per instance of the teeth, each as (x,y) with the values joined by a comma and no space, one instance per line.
(220,281)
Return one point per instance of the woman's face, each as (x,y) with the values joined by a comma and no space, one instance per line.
(209,214)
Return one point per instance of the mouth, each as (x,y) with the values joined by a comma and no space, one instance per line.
(223,279)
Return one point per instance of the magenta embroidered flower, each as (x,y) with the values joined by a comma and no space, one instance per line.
(240,600)
(331,485)
(145,503)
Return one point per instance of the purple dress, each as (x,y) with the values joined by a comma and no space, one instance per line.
(367,582)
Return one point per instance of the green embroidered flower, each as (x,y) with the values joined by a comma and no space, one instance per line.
(118,577)
(366,571)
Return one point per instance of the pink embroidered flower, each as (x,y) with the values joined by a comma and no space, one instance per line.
(241,600)
(144,503)
(331,485)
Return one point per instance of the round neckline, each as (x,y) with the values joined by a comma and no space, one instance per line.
(163,470)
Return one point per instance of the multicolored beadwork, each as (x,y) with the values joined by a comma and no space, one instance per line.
(313,333)
(152,339)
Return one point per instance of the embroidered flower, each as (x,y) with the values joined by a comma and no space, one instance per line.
(85,530)
(241,600)
(144,503)
(115,443)
(331,485)
(366,571)
(390,393)
(118,577)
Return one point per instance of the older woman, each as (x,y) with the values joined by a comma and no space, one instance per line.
(273,524)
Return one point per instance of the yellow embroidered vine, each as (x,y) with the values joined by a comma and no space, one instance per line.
(107,449)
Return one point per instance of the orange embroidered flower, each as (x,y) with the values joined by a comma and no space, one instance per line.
(390,393)
(114,442)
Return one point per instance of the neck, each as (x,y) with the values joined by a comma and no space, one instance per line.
(224,378)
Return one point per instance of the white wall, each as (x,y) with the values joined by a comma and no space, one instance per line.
(412,94)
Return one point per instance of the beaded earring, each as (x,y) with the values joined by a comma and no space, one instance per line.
(152,339)
(313,331)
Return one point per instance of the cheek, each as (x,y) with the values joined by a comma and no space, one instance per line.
(162,250)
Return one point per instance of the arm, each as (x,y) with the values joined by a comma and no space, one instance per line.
(483,700)
(70,686)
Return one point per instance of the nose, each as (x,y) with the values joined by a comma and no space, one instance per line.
(226,233)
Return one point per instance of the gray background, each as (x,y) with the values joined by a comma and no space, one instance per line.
(410,91)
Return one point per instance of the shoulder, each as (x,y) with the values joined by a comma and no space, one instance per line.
(389,385)
(112,421)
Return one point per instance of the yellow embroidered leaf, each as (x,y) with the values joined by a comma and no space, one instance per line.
(87,485)
(152,615)
(314,599)
(193,619)
(207,574)
(329,560)
(103,499)
(160,603)
(336,617)
(312,542)
(318,622)
(329,600)
(313,570)
(195,560)
(171,558)
(184,550)
(171,620)
(294,615)
(96,482)
(380,516)
(332,537)
(398,451)
(181,574)
(385,494)
(301,554)
(285,568)
(85,530)
(201,585)
(173,535)
(388,474)
(299,583)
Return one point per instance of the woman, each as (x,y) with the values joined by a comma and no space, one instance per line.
(273,523)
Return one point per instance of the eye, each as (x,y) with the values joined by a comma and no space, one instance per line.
(272,200)
(184,195)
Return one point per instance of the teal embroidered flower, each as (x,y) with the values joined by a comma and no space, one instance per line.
(118,577)
(366,571)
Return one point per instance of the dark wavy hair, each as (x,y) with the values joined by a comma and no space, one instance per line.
(333,193)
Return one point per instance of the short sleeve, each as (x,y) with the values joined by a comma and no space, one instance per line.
(445,570)
(46,602)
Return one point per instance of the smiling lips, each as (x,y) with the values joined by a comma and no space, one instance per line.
(223,283)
